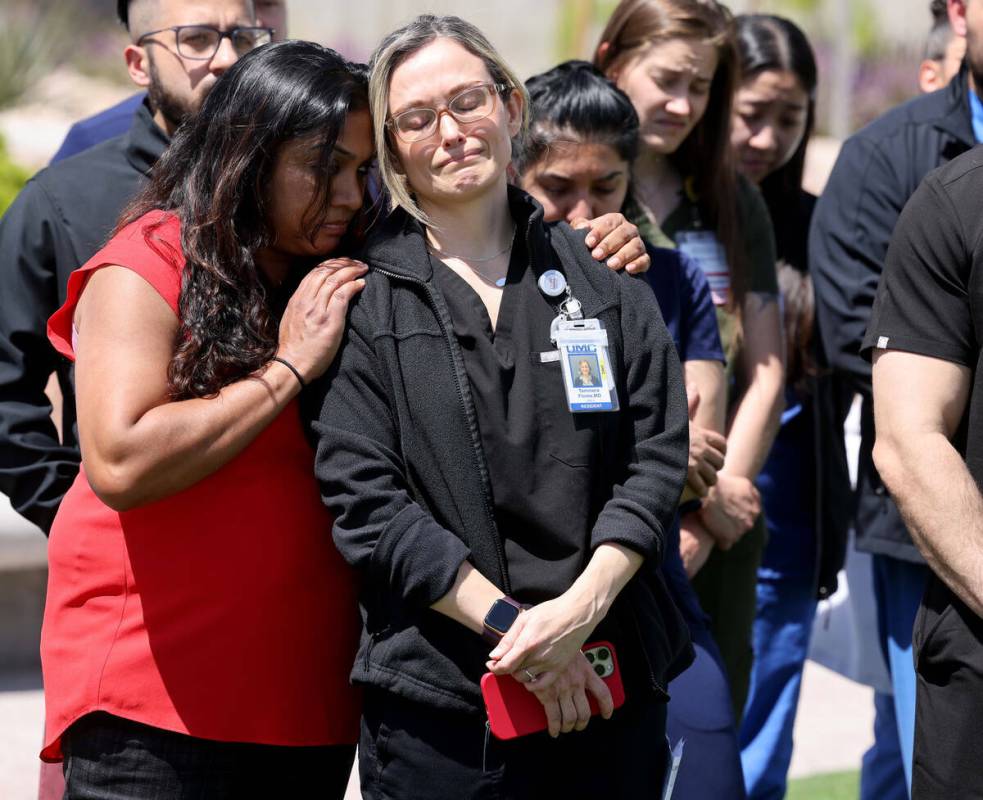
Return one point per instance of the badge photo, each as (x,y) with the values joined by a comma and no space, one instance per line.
(587,375)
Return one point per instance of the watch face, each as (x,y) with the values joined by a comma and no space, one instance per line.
(501,616)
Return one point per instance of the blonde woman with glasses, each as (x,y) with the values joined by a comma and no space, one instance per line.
(497,524)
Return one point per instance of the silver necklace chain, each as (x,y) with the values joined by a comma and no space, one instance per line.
(503,251)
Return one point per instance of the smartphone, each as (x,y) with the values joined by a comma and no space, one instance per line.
(514,711)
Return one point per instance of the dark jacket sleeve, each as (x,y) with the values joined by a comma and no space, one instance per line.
(848,241)
(35,468)
(378,527)
(643,505)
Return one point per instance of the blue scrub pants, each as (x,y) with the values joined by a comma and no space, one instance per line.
(898,589)
(700,712)
(782,627)
(882,775)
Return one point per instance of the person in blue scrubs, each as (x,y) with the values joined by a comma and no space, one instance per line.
(576,162)
(113,121)
(773,117)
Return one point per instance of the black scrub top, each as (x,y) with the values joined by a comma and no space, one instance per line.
(541,458)
(538,455)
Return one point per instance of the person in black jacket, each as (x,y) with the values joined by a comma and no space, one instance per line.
(877,170)
(59,220)
(463,487)
(116,120)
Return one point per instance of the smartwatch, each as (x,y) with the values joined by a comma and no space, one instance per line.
(499,619)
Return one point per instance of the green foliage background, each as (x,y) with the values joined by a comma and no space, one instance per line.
(12,178)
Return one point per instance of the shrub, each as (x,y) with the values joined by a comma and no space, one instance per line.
(12,178)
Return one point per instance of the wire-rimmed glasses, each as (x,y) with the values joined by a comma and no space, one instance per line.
(469,105)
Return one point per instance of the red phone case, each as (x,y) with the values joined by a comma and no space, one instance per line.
(514,711)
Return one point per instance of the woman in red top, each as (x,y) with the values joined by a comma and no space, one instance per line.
(200,626)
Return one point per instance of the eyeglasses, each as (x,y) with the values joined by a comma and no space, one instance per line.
(201,42)
(471,105)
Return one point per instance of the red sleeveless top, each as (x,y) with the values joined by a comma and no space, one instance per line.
(223,611)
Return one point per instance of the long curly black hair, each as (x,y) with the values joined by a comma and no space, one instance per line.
(214,177)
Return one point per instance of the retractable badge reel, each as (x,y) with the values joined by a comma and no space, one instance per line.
(581,348)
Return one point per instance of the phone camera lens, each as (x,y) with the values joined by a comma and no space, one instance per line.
(604,654)
(590,657)
(599,670)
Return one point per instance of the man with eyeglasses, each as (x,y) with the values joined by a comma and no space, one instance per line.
(179,49)
(116,120)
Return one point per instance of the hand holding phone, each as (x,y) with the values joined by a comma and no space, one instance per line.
(513,710)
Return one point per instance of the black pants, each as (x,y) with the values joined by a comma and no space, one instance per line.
(408,750)
(948,641)
(109,758)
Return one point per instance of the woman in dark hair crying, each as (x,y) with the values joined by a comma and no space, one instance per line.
(804,505)
(200,626)
(576,160)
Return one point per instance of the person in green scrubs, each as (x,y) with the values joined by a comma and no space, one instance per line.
(677,62)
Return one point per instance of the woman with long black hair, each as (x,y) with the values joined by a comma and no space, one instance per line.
(576,160)
(199,626)
(804,483)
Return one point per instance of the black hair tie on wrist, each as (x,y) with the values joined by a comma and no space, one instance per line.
(293,369)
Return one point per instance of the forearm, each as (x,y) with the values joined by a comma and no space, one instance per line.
(176,444)
(590,597)
(469,599)
(941,506)
(598,586)
(708,378)
(755,423)
(37,467)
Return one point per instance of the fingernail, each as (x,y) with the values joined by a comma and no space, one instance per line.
(614,262)
(591,240)
(598,252)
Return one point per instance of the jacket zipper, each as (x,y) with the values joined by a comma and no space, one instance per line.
(476,445)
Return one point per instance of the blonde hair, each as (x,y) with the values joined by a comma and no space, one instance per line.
(396,48)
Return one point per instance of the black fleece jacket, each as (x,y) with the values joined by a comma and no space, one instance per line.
(876,172)
(56,224)
(401,466)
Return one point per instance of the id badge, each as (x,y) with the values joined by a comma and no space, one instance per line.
(587,375)
(704,248)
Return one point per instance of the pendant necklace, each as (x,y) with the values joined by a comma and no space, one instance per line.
(499,282)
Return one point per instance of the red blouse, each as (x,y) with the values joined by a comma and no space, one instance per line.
(223,611)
